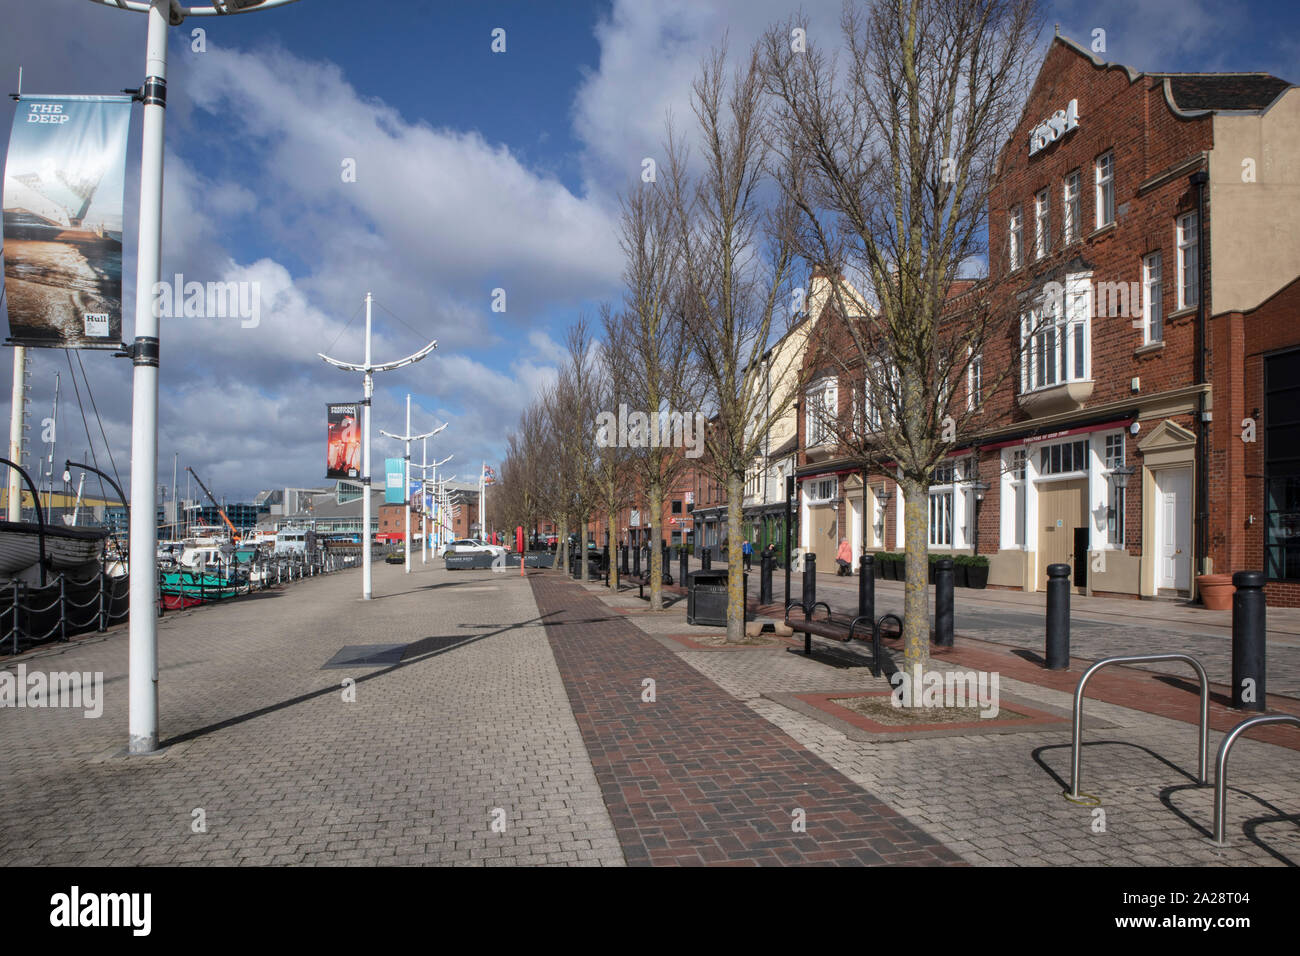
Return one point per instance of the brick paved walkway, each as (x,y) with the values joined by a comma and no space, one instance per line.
(695,776)
(471,729)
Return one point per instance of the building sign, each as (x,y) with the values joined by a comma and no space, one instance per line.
(635,519)
(1054,127)
(63,183)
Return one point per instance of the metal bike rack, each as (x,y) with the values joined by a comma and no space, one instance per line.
(875,636)
(1141,659)
(1221,765)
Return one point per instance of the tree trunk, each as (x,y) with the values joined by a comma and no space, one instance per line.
(735,565)
(562,543)
(613,552)
(656,551)
(584,566)
(916,597)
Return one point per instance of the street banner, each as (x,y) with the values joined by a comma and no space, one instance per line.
(343,441)
(394,480)
(64,177)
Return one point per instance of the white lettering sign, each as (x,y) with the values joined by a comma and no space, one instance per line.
(1053,128)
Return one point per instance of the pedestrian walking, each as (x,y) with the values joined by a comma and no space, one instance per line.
(844,559)
(747,550)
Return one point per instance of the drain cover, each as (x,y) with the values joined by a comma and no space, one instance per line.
(367,655)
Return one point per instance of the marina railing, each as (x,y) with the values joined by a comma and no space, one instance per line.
(66,606)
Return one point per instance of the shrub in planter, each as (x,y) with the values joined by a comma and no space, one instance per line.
(960,563)
(977,571)
(889,563)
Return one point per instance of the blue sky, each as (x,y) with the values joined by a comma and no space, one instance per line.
(475,171)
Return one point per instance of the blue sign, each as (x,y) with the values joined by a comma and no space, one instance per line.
(394,480)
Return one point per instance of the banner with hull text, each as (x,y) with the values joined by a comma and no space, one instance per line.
(64,176)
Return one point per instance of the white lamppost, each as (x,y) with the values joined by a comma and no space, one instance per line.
(425,482)
(368,369)
(143,675)
(406,489)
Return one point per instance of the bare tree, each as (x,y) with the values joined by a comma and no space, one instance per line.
(573,417)
(615,466)
(736,259)
(890,162)
(653,355)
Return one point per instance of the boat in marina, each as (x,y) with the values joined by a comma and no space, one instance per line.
(66,548)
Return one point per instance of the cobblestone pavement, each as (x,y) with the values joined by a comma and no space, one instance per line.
(1099,627)
(284,771)
(998,798)
(691,776)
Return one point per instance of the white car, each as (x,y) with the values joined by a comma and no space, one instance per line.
(474,546)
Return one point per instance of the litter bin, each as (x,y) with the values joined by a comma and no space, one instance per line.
(706,597)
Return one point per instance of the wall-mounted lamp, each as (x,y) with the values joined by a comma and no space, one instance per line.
(1121,474)
(980,488)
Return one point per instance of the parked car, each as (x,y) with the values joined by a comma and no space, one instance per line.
(474,546)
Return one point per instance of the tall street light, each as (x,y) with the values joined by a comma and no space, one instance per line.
(368,369)
(143,679)
(406,491)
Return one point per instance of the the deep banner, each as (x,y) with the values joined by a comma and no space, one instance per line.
(64,177)
(343,441)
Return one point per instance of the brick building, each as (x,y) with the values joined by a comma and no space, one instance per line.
(1143,252)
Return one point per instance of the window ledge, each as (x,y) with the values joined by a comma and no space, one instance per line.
(1149,348)
(1067,396)
(1181,313)
(1098,233)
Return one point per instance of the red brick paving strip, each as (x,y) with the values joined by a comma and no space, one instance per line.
(697,777)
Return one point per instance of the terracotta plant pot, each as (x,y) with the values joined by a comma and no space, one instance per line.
(1216,591)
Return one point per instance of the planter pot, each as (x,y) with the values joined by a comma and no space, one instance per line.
(933,568)
(959,572)
(880,569)
(976,576)
(894,570)
(1216,591)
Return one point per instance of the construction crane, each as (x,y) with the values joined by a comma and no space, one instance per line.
(234,533)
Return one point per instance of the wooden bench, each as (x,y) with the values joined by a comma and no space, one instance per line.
(838,630)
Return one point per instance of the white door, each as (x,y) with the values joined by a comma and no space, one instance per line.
(1174,534)
(855,524)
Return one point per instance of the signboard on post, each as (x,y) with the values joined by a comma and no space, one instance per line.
(394,480)
(343,440)
(64,177)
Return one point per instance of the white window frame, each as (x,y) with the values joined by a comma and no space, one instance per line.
(975,382)
(818,425)
(822,490)
(1042,223)
(1079,449)
(1153,324)
(1015,237)
(1071,208)
(1104,182)
(1185,236)
(1115,495)
(942,500)
(1056,338)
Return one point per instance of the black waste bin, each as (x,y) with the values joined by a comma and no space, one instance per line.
(706,597)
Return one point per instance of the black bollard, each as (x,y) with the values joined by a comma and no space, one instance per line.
(636,561)
(1058,617)
(667,565)
(683,568)
(1248,640)
(706,560)
(622,568)
(765,579)
(604,560)
(867,587)
(943,582)
(809,584)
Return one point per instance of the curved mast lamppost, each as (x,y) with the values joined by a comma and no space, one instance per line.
(368,369)
(406,490)
(424,493)
(143,544)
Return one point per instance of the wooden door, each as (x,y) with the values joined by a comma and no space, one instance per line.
(1060,510)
